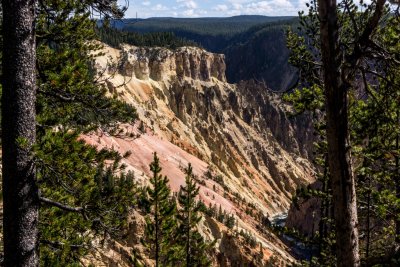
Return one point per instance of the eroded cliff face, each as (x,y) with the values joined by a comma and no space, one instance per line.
(247,154)
(305,217)
(161,64)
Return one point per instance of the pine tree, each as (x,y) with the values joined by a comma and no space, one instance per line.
(377,121)
(195,247)
(221,214)
(230,221)
(161,223)
(82,190)
(115,38)
(355,107)
(338,137)
(21,203)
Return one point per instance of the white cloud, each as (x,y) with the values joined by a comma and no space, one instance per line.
(237,6)
(264,7)
(189,13)
(196,8)
(221,8)
(189,8)
(160,7)
(239,1)
(190,4)
(268,7)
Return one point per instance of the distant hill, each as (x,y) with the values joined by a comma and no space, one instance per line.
(208,26)
(254,46)
(260,53)
(115,37)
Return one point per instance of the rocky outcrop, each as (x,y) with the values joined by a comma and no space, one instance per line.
(161,64)
(306,215)
(264,109)
(305,218)
(264,57)
(247,154)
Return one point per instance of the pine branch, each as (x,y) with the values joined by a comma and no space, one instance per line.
(364,39)
(58,244)
(385,259)
(60,205)
(373,22)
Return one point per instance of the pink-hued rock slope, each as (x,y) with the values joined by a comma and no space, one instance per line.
(248,155)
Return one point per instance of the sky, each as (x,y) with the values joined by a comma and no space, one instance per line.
(212,8)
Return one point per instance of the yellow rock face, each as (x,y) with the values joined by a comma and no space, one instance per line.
(246,152)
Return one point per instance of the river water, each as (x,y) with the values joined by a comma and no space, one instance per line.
(298,249)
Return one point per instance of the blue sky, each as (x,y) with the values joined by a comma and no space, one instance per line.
(212,8)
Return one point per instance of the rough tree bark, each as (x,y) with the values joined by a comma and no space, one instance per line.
(339,157)
(20,194)
(397,183)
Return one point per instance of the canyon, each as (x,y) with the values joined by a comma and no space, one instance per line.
(248,154)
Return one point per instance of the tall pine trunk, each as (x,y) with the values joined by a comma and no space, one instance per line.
(20,194)
(339,157)
(397,183)
(157,224)
(188,228)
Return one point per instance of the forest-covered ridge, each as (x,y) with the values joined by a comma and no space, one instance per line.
(227,26)
(115,37)
(255,48)
(188,34)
